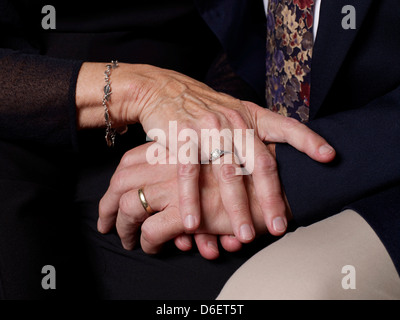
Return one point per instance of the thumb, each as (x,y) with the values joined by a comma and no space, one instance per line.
(273,127)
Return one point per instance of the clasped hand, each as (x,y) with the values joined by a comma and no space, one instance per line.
(192,198)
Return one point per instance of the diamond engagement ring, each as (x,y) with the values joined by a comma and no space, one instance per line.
(217,153)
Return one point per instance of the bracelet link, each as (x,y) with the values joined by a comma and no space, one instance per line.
(110,131)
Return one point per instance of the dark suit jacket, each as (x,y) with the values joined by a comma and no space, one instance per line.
(355,105)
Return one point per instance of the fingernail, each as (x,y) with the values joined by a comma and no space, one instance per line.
(279,224)
(245,232)
(186,242)
(100,226)
(128,245)
(189,222)
(213,246)
(325,149)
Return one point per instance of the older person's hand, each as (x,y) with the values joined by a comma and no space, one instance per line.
(160,183)
(125,210)
(155,97)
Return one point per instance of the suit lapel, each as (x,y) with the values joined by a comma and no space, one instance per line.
(331,46)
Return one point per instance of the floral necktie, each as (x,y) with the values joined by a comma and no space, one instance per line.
(289,52)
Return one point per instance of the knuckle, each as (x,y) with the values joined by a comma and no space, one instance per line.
(265,163)
(186,201)
(309,141)
(126,210)
(147,232)
(272,201)
(235,117)
(240,208)
(184,124)
(211,120)
(117,181)
(289,123)
(228,173)
(126,218)
(125,160)
(187,171)
(124,204)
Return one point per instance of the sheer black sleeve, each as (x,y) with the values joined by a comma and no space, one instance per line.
(37,98)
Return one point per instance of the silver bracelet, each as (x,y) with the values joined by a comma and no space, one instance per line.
(110,131)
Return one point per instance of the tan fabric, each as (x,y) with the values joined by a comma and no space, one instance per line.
(319,262)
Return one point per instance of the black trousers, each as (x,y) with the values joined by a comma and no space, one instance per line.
(48,214)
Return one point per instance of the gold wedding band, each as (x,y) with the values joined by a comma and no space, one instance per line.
(144,202)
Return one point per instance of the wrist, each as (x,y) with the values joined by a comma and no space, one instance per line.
(88,96)
(90,92)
